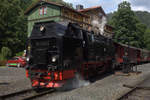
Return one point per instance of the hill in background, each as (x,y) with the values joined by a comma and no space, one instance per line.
(143,16)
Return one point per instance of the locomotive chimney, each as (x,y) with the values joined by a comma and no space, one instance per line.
(79,7)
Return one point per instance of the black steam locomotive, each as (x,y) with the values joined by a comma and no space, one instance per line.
(57,51)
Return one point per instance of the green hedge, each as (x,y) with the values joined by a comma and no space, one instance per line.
(19,53)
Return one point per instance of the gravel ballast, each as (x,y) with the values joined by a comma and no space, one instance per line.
(13,79)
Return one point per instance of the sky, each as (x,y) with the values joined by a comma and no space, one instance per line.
(111,5)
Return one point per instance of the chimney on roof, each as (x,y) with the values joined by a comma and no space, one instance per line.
(79,7)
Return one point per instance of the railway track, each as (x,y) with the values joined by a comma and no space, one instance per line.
(27,94)
(138,92)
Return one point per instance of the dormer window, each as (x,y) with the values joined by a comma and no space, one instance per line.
(43,10)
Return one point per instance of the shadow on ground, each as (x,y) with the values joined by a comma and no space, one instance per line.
(5,83)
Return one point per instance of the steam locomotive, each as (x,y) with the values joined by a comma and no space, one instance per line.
(58,51)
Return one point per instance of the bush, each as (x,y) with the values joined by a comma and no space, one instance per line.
(19,53)
(3,62)
(1,57)
(5,53)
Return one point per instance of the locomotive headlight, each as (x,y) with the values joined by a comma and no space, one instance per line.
(54,58)
(27,59)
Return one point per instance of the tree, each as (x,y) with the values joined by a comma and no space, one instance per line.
(13,25)
(140,31)
(125,23)
(26,3)
(143,17)
(63,3)
(5,53)
(147,38)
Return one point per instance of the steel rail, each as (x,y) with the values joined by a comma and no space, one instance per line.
(3,97)
(38,95)
(133,88)
(23,92)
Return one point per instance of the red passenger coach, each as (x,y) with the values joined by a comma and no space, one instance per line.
(133,54)
(138,56)
(145,56)
(119,53)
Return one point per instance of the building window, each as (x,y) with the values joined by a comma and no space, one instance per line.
(43,10)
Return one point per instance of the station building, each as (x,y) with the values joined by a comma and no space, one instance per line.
(45,10)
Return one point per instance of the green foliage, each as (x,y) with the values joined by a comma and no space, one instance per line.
(63,3)
(143,17)
(128,29)
(147,38)
(13,25)
(5,53)
(109,17)
(19,53)
(124,5)
(57,1)
(140,31)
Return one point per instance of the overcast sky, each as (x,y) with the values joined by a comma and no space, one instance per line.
(111,5)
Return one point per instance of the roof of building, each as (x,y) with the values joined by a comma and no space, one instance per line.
(34,5)
(38,3)
(92,8)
